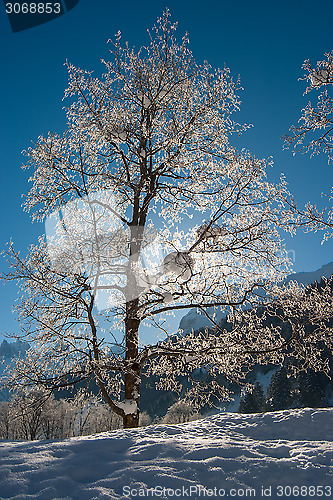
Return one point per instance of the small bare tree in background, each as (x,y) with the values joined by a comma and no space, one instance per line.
(180,412)
(34,414)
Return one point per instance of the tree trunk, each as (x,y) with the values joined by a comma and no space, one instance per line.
(132,323)
(133,372)
(131,421)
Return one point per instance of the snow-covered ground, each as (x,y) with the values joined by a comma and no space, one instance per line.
(285,454)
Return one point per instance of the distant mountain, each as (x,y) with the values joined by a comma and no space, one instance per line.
(13,349)
(194,320)
(306,278)
(9,351)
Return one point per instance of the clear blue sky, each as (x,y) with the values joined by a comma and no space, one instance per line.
(263,42)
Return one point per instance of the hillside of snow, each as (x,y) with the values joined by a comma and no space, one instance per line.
(225,454)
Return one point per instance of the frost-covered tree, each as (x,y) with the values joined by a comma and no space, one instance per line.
(31,416)
(148,209)
(28,414)
(6,418)
(314,134)
(57,418)
(179,413)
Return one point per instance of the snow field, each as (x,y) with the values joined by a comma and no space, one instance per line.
(229,452)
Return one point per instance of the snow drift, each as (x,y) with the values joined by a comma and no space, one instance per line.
(272,454)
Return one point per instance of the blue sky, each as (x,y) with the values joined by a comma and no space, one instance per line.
(263,42)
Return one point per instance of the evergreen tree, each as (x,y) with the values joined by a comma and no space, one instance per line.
(253,402)
(279,393)
(312,389)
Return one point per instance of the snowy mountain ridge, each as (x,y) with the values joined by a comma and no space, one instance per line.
(272,454)
(308,277)
(10,350)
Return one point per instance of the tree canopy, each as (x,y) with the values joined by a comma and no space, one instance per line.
(148,208)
